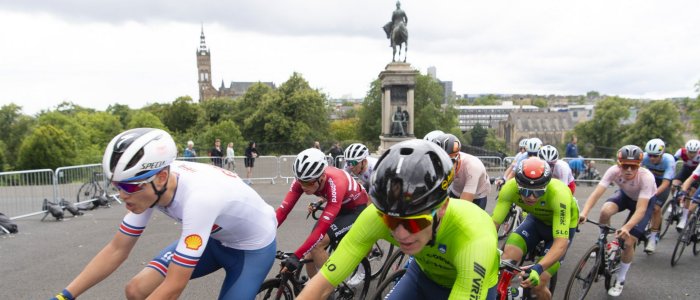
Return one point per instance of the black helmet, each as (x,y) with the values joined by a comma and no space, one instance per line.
(411,177)
(449,143)
(533,173)
(630,154)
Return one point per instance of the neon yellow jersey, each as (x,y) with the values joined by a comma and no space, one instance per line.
(464,257)
(557,208)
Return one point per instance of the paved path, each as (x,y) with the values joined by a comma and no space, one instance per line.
(43,258)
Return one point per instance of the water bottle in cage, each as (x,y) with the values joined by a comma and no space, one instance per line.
(611,249)
(516,293)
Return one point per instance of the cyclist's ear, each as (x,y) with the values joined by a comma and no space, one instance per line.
(162,176)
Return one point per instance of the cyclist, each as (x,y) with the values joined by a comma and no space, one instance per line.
(229,226)
(560,169)
(344,198)
(692,179)
(471,181)
(532,146)
(691,159)
(358,163)
(410,202)
(636,194)
(663,166)
(432,135)
(552,218)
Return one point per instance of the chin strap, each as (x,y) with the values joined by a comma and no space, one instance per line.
(161,192)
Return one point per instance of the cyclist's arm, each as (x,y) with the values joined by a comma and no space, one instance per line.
(317,288)
(467,196)
(288,203)
(592,199)
(505,200)
(664,185)
(327,218)
(103,264)
(689,181)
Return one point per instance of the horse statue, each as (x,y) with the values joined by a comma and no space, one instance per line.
(398,35)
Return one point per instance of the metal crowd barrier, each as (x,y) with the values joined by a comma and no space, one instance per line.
(493,164)
(22,193)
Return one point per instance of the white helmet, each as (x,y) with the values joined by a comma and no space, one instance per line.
(432,135)
(692,146)
(138,154)
(548,153)
(655,147)
(309,164)
(523,143)
(356,152)
(533,145)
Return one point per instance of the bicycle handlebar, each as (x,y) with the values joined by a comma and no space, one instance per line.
(603,226)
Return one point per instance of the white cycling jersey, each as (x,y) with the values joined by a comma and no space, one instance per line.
(562,171)
(367,174)
(211,202)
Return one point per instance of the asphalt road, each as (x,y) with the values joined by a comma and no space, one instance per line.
(45,256)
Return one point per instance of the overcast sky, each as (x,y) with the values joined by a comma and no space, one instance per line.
(96,53)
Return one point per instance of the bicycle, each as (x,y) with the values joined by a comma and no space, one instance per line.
(92,194)
(505,289)
(603,258)
(288,285)
(671,212)
(688,235)
(513,219)
(376,256)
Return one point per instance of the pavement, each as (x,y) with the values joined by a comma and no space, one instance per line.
(45,256)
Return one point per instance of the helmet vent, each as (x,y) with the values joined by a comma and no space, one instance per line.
(406,151)
(135,159)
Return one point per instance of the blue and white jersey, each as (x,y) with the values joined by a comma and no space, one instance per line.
(665,169)
(364,177)
(211,202)
(518,158)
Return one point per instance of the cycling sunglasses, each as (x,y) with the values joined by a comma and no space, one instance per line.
(132,186)
(307,183)
(525,192)
(414,224)
(631,167)
(352,163)
(654,155)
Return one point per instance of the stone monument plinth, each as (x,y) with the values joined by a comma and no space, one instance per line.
(398,87)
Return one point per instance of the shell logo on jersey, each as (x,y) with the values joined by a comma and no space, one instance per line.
(193,241)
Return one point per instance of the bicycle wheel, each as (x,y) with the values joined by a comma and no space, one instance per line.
(553,283)
(695,239)
(667,217)
(346,291)
(385,287)
(396,262)
(683,240)
(378,256)
(584,275)
(270,289)
(88,191)
(507,225)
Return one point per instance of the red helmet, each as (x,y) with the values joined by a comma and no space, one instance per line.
(533,173)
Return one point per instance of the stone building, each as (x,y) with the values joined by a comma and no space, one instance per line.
(206,89)
(550,127)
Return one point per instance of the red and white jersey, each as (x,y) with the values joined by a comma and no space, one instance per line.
(342,193)
(211,202)
(641,186)
(683,154)
(471,177)
(562,171)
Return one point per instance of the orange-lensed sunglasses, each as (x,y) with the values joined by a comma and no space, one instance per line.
(413,224)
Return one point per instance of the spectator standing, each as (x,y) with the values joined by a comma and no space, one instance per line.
(571,149)
(216,153)
(317,145)
(230,162)
(336,151)
(251,153)
(190,153)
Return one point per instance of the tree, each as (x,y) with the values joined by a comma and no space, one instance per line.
(47,147)
(479,134)
(344,130)
(658,119)
(14,126)
(181,115)
(487,100)
(122,111)
(225,130)
(370,124)
(99,128)
(290,118)
(67,121)
(247,105)
(218,109)
(605,129)
(592,95)
(141,118)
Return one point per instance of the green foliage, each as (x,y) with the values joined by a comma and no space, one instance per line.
(3,150)
(290,118)
(47,147)
(478,135)
(540,102)
(494,143)
(657,119)
(181,115)
(370,115)
(217,109)
(99,128)
(122,111)
(694,112)
(247,105)
(225,130)
(67,121)
(14,126)
(592,95)
(603,135)
(142,118)
(487,100)
(344,130)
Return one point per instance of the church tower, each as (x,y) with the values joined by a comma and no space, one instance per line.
(206,89)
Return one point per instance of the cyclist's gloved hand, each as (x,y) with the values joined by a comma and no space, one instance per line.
(292,263)
(682,193)
(63,295)
(534,276)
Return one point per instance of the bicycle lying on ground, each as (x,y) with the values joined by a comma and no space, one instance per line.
(92,194)
(602,259)
(288,285)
